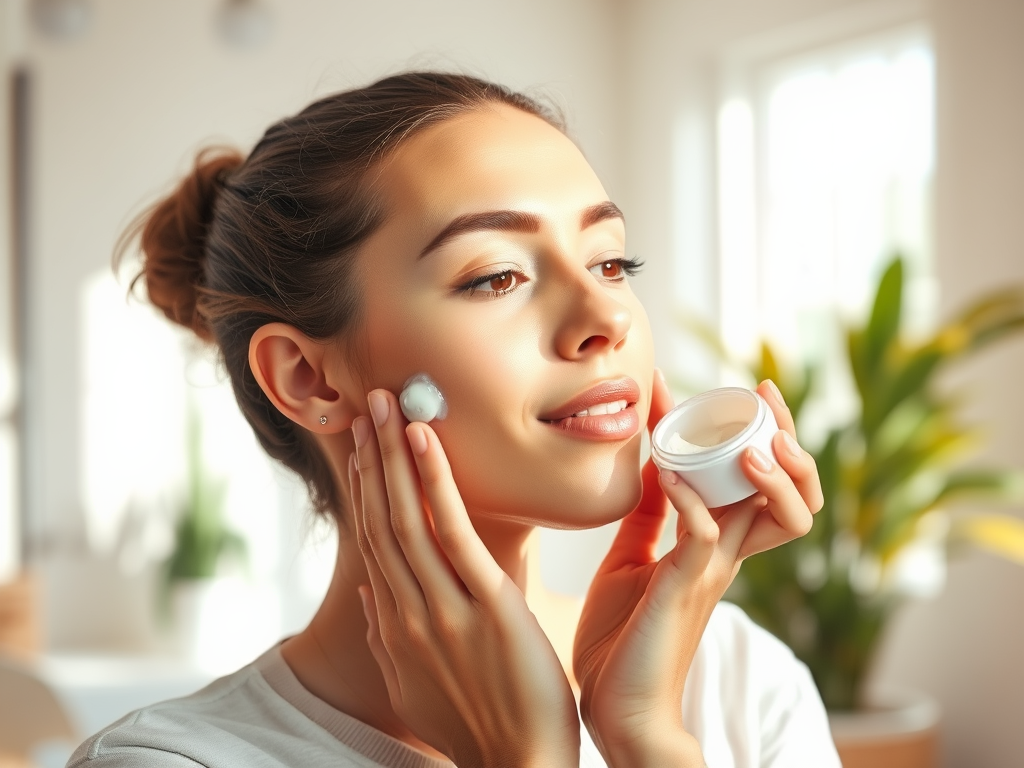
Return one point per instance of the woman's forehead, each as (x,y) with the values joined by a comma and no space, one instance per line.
(491,158)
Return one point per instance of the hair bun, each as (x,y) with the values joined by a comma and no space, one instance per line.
(173,239)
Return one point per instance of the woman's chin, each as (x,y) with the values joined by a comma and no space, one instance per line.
(578,507)
(577,492)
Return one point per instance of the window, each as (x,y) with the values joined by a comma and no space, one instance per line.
(825,161)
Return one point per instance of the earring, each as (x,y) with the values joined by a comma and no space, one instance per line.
(323,419)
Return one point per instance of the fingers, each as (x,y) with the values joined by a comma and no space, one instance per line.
(792,486)
(376,642)
(700,532)
(454,532)
(795,460)
(376,518)
(408,519)
(773,397)
(789,516)
(801,468)
(373,570)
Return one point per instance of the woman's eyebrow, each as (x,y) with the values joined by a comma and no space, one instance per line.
(502,221)
(514,221)
(600,212)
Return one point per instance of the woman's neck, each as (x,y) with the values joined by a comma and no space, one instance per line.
(331,657)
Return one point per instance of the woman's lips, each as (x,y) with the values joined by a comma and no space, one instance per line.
(610,426)
(605,411)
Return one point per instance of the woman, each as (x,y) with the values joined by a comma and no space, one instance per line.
(437,224)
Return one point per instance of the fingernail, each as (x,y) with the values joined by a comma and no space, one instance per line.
(759,460)
(417,439)
(671,478)
(775,391)
(360,431)
(792,445)
(353,462)
(660,374)
(378,408)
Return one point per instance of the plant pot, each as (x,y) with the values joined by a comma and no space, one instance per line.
(898,730)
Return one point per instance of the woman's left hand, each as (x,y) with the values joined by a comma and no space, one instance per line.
(643,617)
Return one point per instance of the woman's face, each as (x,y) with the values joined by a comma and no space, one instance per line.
(514,314)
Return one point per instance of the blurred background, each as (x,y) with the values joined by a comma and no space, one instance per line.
(770,157)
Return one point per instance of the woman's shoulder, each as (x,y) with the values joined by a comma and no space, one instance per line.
(178,732)
(259,717)
(235,720)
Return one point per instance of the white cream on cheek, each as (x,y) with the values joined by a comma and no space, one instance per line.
(421,399)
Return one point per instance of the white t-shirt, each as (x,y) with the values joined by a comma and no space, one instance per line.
(748,701)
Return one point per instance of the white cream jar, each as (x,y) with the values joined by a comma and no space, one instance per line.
(703,438)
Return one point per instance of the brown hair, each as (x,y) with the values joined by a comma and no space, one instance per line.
(245,242)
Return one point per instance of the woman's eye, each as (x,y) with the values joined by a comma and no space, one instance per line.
(610,270)
(616,269)
(501,283)
(497,284)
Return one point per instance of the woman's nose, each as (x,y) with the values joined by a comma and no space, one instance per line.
(593,322)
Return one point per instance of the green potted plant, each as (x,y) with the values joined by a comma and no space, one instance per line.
(888,474)
(202,543)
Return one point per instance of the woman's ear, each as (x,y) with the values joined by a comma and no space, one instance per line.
(289,367)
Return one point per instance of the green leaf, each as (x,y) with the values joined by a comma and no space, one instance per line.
(993,308)
(996,331)
(1001,534)
(1005,485)
(201,537)
(936,444)
(904,510)
(884,322)
(901,382)
(827,461)
(769,367)
(855,352)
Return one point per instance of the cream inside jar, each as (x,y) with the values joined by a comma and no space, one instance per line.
(707,437)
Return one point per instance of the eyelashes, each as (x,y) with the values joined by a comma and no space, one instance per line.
(498,284)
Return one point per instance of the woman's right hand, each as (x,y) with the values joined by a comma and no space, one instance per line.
(644,616)
(467,667)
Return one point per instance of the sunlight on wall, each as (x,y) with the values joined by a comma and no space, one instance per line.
(737,220)
(133,451)
(848,163)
